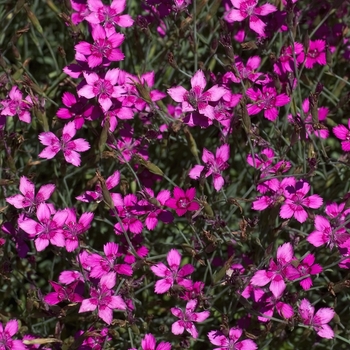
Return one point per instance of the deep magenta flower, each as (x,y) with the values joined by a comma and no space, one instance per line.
(173,274)
(6,341)
(183,201)
(109,16)
(296,200)
(285,62)
(104,46)
(231,342)
(187,319)
(103,299)
(102,88)
(69,147)
(266,100)
(316,53)
(343,134)
(196,99)
(318,321)
(248,8)
(276,272)
(71,293)
(28,197)
(214,165)
(149,343)
(47,230)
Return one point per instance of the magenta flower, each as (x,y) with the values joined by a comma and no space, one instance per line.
(104,46)
(285,62)
(69,147)
(183,201)
(16,105)
(296,200)
(73,229)
(305,268)
(103,299)
(102,88)
(71,293)
(317,321)
(81,9)
(28,198)
(196,99)
(247,8)
(187,318)
(215,165)
(231,341)
(316,53)
(101,266)
(7,343)
(47,230)
(109,15)
(267,305)
(276,272)
(343,134)
(266,100)
(173,274)
(127,212)
(149,343)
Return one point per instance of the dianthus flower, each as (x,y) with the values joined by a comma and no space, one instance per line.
(149,343)
(6,341)
(316,53)
(343,134)
(183,201)
(231,342)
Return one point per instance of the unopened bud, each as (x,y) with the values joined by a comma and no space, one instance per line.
(172,61)
(34,19)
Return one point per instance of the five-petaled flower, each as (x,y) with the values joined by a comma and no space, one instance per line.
(183,201)
(318,321)
(149,343)
(6,341)
(247,8)
(343,134)
(316,53)
(173,274)
(187,318)
(69,147)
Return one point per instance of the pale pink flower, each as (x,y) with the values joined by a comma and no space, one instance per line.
(104,46)
(318,321)
(183,201)
(28,197)
(103,299)
(343,134)
(69,147)
(196,99)
(173,274)
(187,319)
(296,200)
(231,341)
(214,165)
(248,8)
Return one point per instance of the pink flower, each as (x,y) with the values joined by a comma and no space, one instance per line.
(215,165)
(231,341)
(173,274)
(187,318)
(317,321)
(104,46)
(69,147)
(6,335)
(266,100)
(47,230)
(17,105)
(102,88)
(71,293)
(316,53)
(276,272)
(149,343)
(108,15)
(296,200)
(342,133)
(285,62)
(183,201)
(247,8)
(73,229)
(196,99)
(28,198)
(103,299)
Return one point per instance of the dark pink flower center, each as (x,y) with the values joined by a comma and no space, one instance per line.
(101,47)
(183,203)
(313,53)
